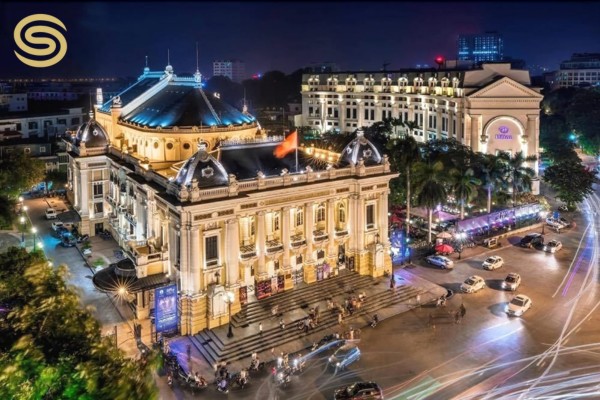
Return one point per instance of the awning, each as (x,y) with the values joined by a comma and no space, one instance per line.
(441,215)
(117,276)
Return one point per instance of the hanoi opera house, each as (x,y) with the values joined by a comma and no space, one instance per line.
(191,190)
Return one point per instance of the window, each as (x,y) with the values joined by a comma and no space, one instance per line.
(341,214)
(298,259)
(99,208)
(98,190)
(27,150)
(370,216)
(211,249)
(42,149)
(276,265)
(320,254)
(299,217)
(33,125)
(252,227)
(275,223)
(74,121)
(321,213)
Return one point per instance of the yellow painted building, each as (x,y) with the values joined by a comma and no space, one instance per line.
(190,188)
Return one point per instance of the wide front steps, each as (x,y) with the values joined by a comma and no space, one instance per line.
(301,298)
(213,349)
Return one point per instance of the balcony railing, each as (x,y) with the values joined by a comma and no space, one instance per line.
(131,218)
(273,246)
(247,252)
(320,236)
(297,241)
(341,232)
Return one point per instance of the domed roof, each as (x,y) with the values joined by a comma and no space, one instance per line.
(186,104)
(92,134)
(203,167)
(359,148)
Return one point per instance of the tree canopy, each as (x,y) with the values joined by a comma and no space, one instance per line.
(52,348)
(571,181)
(18,173)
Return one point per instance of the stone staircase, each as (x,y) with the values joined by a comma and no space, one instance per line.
(213,348)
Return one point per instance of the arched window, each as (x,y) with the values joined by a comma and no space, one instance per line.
(455,83)
(341,213)
(321,213)
(445,82)
(402,82)
(418,82)
(299,217)
(432,82)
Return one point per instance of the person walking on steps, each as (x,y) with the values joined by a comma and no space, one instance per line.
(260,328)
(462,310)
(392,282)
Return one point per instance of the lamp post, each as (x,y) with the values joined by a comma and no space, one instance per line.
(230,297)
(22,219)
(543,215)
(34,231)
(461,236)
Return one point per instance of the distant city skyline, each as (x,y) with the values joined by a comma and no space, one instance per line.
(108,39)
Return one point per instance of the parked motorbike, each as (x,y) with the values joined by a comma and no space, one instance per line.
(240,381)
(256,365)
(83,238)
(283,378)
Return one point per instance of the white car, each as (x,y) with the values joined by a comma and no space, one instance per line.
(557,223)
(50,213)
(473,284)
(56,225)
(512,281)
(518,305)
(493,262)
(440,261)
(553,246)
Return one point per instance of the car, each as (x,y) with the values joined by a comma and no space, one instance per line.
(68,240)
(512,281)
(57,224)
(557,223)
(553,246)
(518,305)
(51,213)
(532,240)
(359,390)
(343,357)
(473,284)
(493,262)
(440,261)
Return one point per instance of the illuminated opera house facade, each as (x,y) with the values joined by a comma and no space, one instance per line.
(191,190)
(491,108)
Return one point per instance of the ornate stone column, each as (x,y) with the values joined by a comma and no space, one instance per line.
(233,251)
(351,223)
(362,263)
(331,252)
(285,240)
(184,260)
(310,274)
(195,261)
(261,247)
(475,132)
(383,218)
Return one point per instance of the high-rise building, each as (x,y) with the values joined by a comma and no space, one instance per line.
(233,69)
(482,47)
(583,69)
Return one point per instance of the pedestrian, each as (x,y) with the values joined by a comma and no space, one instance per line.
(340,318)
(281,324)
(189,353)
(392,283)
(457,317)
(463,310)
(272,353)
(260,328)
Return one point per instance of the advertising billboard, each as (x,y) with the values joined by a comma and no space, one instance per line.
(165,308)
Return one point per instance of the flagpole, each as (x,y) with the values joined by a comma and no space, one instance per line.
(297,143)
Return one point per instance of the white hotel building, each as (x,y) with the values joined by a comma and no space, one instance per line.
(490,109)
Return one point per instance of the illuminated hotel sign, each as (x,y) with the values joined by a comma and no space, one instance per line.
(504,133)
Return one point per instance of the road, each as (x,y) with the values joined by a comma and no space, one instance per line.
(552,350)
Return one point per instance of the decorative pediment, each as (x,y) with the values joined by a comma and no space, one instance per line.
(505,87)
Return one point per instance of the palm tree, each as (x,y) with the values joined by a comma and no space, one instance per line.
(430,188)
(493,171)
(520,175)
(405,153)
(464,185)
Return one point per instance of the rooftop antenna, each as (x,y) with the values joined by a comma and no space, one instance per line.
(197,67)
(146,61)
(168,56)
(245,105)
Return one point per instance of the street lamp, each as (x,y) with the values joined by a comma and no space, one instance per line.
(229,298)
(543,215)
(22,219)
(34,231)
(461,236)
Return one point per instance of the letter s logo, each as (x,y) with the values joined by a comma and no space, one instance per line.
(32,36)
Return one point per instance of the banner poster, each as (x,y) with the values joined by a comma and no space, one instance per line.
(165,308)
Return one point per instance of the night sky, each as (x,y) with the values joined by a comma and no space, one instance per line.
(112,39)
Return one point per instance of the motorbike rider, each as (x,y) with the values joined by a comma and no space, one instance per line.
(375,320)
(243,377)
